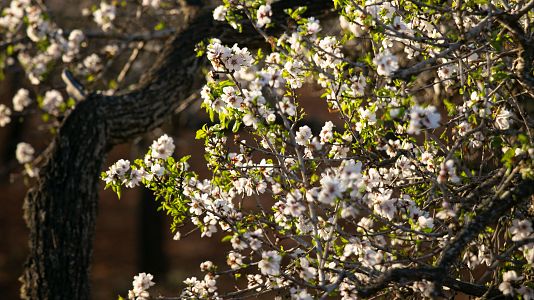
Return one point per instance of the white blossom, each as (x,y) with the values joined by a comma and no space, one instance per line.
(326,133)
(219,13)
(421,118)
(24,153)
(521,229)
(141,284)
(92,63)
(270,263)
(163,147)
(426,222)
(386,63)
(153,3)
(105,15)
(21,100)
(52,101)
(5,115)
(234,260)
(303,135)
(503,119)
(507,278)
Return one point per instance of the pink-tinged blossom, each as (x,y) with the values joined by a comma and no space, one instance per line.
(218,54)
(331,188)
(231,98)
(117,171)
(312,26)
(448,172)
(264,14)
(234,260)
(92,63)
(136,175)
(286,107)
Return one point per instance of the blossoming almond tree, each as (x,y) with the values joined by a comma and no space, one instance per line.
(387,201)
(419,185)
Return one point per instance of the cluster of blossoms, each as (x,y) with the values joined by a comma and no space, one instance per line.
(141,284)
(153,166)
(224,58)
(205,288)
(105,15)
(49,40)
(12,16)
(52,103)
(74,42)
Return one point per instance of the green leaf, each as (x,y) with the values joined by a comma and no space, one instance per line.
(508,157)
(112,84)
(159,26)
(201,133)
(451,107)
(10,50)
(237,124)
(45,117)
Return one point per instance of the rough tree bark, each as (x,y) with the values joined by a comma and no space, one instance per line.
(60,210)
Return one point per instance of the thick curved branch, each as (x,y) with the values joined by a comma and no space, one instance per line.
(409,275)
(525,55)
(177,75)
(497,207)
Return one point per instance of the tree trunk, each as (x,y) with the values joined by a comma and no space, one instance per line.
(61,209)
